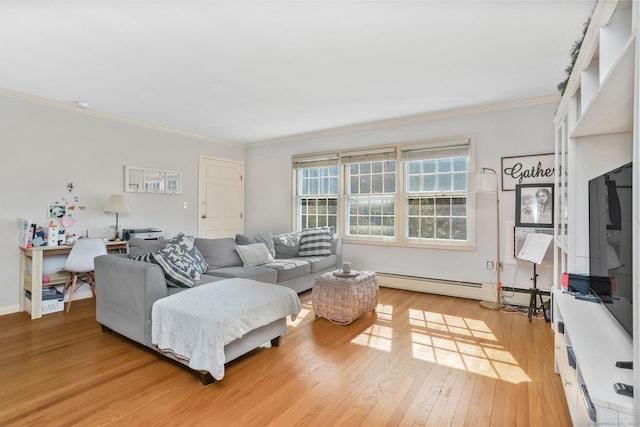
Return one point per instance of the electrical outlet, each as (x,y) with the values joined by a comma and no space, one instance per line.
(490,265)
(186,205)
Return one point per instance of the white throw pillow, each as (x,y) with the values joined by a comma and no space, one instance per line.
(254,254)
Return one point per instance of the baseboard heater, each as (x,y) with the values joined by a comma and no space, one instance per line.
(430,279)
(453,288)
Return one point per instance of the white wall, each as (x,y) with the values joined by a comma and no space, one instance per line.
(515,131)
(46,145)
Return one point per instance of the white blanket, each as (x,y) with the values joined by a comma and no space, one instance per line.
(196,324)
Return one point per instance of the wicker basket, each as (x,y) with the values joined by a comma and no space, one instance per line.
(343,300)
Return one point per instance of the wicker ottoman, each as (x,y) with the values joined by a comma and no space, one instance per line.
(343,300)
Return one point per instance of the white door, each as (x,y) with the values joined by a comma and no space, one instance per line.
(221,192)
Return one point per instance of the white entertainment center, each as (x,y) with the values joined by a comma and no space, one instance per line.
(596,130)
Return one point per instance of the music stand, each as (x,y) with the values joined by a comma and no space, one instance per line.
(533,250)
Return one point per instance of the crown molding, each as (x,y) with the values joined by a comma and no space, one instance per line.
(78,108)
(398,121)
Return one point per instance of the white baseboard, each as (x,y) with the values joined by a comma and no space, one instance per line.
(484,291)
(479,291)
(9,309)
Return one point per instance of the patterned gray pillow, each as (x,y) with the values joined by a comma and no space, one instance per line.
(181,262)
(175,270)
(188,249)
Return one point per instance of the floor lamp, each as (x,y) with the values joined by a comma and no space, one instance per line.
(117,204)
(487,182)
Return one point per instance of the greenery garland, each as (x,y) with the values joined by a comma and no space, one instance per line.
(575,50)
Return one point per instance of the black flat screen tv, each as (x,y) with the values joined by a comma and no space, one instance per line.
(611,241)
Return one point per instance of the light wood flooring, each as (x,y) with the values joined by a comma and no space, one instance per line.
(421,359)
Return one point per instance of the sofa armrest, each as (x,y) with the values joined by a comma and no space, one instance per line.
(125,292)
(337,250)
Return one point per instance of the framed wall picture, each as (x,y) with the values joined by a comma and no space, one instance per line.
(534,205)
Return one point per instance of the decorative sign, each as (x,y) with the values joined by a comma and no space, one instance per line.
(533,169)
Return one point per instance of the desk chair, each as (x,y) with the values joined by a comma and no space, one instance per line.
(80,264)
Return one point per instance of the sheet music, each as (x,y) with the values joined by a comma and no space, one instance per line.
(535,246)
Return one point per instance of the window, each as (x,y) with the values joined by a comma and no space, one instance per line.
(404,193)
(316,193)
(370,198)
(436,193)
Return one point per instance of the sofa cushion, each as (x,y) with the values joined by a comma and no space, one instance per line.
(258,273)
(218,252)
(142,246)
(254,254)
(287,245)
(320,263)
(315,241)
(179,271)
(185,244)
(266,238)
(289,268)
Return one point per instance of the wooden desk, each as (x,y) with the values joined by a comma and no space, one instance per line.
(31,261)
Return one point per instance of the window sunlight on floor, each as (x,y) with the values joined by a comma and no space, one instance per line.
(462,343)
(378,336)
(375,336)
(452,341)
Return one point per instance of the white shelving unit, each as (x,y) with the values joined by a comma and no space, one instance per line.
(588,379)
(596,130)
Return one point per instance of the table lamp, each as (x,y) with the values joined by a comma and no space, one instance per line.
(118,204)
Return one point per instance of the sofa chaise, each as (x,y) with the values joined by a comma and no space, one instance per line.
(128,285)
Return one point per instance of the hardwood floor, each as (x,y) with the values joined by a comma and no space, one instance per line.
(420,360)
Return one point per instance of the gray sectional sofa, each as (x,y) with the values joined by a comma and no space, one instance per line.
(287,268)
(126,288)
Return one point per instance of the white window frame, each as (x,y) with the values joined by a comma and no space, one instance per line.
(400,152)
(455,189)
(324,161)
(348,159)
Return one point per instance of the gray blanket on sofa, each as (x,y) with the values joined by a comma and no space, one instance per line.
(196,324)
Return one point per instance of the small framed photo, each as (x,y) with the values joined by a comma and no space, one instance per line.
(534,205)
(57,211)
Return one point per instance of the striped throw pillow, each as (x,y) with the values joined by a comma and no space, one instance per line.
(315,241)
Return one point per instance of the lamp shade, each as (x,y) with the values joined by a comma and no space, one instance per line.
(482,183)
(117,203)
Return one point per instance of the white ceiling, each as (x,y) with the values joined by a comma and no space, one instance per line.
(250,71)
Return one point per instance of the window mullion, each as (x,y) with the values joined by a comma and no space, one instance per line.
(390,200)
(401,219)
